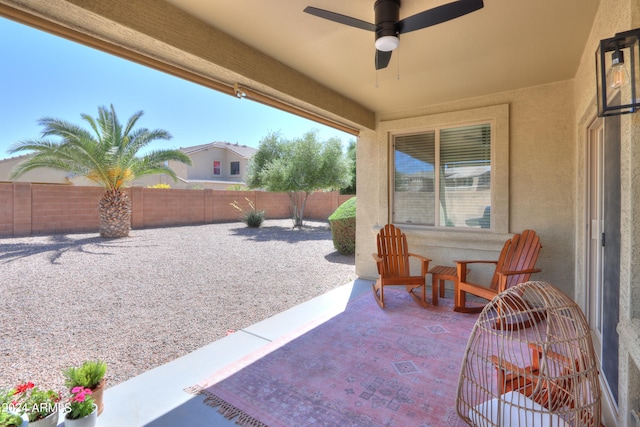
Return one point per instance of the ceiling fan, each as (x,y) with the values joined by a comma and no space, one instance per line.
(388,26)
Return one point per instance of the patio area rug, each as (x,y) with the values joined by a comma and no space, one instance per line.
(364,367)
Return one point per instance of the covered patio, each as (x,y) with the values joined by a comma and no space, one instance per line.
(157,397)
(517,77)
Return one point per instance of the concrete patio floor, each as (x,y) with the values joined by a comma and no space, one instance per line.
(157,397)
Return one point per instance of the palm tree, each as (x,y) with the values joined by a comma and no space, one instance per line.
(105,155)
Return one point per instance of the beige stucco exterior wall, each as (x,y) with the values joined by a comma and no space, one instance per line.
(613,16)
(38,175)
(203,165)
(541,171)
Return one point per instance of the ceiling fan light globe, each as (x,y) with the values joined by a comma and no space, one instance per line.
(387,43)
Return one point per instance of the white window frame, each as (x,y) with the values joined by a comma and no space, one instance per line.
(437,177)
(498,116)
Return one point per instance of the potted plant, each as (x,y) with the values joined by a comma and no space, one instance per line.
(88,375)
(81,411)
(9,416)
(11,419)
(40,406)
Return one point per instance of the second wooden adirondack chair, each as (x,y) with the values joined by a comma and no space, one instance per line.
(392,261)
(516,264)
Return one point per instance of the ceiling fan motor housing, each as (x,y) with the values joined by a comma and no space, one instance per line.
(387,15)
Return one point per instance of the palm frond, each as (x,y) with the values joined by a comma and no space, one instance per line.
(132,121)
(108,155)
(143,137)
(161,156)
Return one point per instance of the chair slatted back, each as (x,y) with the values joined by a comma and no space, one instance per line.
(393,249)
(519,253)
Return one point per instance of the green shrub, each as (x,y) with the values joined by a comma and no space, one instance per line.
(343,227)
(88,375)
(252,217)
(237,187)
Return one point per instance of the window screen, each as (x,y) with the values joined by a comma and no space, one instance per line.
(443,177)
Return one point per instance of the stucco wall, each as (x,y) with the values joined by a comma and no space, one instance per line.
(613,16)
(38,175)
(541,169)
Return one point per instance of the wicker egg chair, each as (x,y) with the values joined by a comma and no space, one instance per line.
(543,375)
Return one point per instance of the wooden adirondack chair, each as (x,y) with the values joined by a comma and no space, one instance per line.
(515,265)
(392,261)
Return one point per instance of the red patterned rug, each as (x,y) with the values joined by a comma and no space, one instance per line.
(364,367)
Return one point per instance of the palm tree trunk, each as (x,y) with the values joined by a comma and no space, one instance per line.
(115,214)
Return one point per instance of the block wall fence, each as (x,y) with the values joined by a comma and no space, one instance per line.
(30,209)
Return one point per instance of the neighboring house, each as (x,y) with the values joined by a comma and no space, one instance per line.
(39,176)
(217,165)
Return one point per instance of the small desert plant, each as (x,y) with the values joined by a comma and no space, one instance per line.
(88,375)
(237,187)
(343,227)
(252,217)
(159,186)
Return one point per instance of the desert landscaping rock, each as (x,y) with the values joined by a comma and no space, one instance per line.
(144,300)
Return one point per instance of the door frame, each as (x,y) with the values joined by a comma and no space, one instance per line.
(595,125)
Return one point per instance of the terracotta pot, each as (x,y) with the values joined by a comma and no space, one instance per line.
(89,421)
(97,393)
(50,420)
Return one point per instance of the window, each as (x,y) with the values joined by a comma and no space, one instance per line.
(235,168)
(442,177)
(216,167)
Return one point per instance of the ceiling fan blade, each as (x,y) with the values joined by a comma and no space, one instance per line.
(437,15)
(340,19)
(382,59)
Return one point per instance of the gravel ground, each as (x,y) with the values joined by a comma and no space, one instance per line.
(144,300)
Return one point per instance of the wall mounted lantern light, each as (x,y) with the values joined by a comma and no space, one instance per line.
(618,74)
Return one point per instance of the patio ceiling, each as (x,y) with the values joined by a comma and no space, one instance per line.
(504,46)
(324,68)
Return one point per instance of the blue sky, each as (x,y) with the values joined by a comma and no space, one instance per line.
(42,75)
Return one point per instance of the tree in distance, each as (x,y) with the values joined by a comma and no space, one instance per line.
(299,167)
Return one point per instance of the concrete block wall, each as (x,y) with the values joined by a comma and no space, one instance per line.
(323,204)
(27,209)
(57,209)
(167,207)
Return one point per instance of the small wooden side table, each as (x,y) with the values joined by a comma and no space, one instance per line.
(439,274)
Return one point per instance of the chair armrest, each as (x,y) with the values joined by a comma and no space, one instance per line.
(376,258)
(424,263)
(508,367)
(462,268)
(513,273)
(476,261)
(536,348)
(422,258)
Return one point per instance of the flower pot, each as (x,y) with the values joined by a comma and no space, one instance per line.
(97,394)
(50,420)
(89,421)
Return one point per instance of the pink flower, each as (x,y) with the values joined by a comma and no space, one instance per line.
(79,393)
